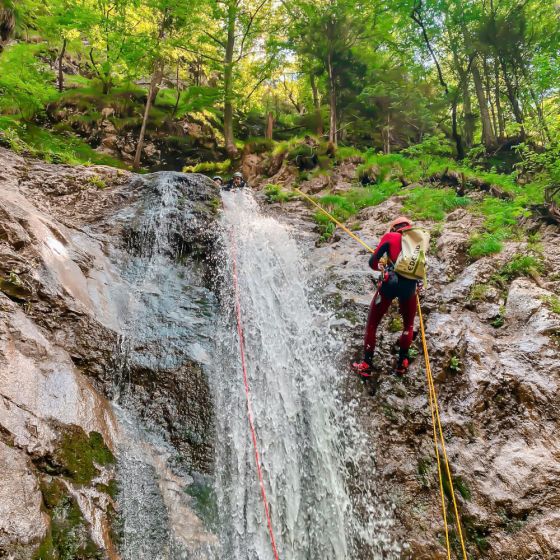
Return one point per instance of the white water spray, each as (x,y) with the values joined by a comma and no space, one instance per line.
(305,430)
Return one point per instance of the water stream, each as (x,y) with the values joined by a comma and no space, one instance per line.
(310,443)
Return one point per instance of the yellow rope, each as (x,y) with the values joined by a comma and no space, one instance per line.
(332,218)
(442,439)
(434,408)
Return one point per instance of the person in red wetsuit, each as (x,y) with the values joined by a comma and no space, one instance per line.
(393,286)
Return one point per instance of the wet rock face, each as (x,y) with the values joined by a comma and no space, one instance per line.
(494,353)
(77,248)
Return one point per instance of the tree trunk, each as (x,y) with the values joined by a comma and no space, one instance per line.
(156,78)
(497,95)
(60,72)
(488,136)
(178,90)
(269,125)
(317,105)
(332,101)
(488,87)
(468,116)
(512,96)
(228,82)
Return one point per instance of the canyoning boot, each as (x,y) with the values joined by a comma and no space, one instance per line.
(363,369)
(403,363)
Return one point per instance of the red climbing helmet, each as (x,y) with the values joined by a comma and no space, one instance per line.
(399,223)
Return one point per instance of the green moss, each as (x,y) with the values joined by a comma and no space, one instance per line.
(78,454)
(68,536)
(209,167)
(205,501)
(396,324)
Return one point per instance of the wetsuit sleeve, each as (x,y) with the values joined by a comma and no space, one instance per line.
(381,250)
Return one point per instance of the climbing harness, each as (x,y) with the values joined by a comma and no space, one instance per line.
(434,408)
(250,415)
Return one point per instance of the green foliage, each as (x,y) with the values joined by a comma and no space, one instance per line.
(275,193)
(209,167)
(431,145)
(34,141)
(345,205)
(25,81)
(484,244)
(427,203)
(455,365)
(348,152)
(520,265)
(478,292)
(553,303)
(97,181)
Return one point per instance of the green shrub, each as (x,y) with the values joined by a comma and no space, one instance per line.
(427,203)
(553,303)
(522,265)
(275,193)
(26,83)
(209,167)
(483,244)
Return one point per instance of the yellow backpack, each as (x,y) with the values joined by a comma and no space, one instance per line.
(411,262)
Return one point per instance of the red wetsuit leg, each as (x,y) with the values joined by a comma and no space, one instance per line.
(376,313)
(407,309)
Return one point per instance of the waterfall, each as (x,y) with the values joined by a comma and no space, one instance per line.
(305,428)
(309,441)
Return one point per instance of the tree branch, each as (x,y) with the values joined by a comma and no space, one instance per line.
(198,53)
(248,29)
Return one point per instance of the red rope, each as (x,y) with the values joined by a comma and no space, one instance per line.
(248,394)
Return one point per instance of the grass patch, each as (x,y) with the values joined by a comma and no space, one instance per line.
(483,244)
(34,141)
(344,206)
(275,193)
(427,203)
(520,265)
(553,303)
(209,167)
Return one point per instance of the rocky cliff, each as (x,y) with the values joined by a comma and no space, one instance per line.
(105,305)
(72,241)
(493,339)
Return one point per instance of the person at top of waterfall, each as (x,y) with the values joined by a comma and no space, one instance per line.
(236,182)
(218,180)
(392,286)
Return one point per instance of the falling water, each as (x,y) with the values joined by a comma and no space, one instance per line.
(306,432)
(165,323)
(309,442)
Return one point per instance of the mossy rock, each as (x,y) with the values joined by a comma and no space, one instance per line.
(15,289)
(68,536)
(78,454)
